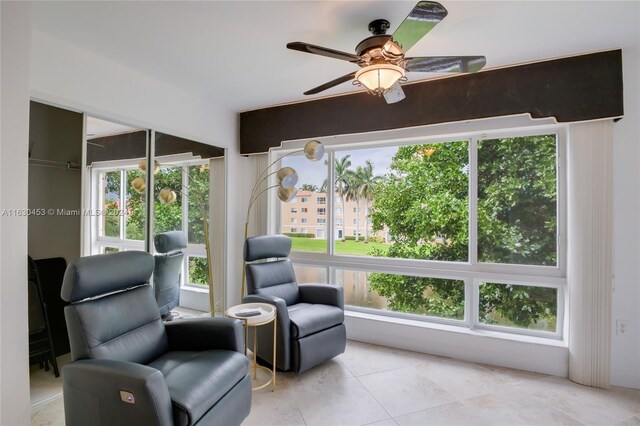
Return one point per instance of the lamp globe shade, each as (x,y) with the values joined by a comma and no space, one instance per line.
(139,185)
(314,150)
(287,177)
(143,166)
(167,196)
(287,194)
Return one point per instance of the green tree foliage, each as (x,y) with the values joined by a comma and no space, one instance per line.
(198,196)
(309,187)
(111,216)
(423,202)
(517,200)
(167,216)
(135,217)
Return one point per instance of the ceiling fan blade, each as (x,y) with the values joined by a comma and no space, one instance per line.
(395,94)
(323,51)
(424,16)
(330,84)
(446,64)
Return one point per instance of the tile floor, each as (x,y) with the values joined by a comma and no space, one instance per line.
(374,385)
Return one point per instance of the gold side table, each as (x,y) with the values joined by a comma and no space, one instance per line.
(267,314)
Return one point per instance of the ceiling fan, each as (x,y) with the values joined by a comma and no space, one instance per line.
(381,57)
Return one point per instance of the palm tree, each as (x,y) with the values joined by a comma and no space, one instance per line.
(367,183)
(309,187)
(342,173)
(353,194)
(342,176)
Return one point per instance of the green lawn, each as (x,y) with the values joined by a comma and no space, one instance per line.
(347,247)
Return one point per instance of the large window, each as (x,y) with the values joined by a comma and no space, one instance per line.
(459,230)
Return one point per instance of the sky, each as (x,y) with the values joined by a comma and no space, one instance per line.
(315,173)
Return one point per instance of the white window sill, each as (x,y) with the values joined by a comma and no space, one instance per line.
(195,289)
(462,330)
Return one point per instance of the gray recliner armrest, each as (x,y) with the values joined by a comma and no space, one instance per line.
(324,294)
(93,391)
(201,334)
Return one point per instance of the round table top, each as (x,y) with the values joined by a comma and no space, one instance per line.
(266,313)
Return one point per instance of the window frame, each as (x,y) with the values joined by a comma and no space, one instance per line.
(471,272)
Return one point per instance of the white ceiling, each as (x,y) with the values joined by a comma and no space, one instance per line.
(234,52)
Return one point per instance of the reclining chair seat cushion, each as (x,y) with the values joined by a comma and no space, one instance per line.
(197,380)
(307,319)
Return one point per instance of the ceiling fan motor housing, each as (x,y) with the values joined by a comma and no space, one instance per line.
(373,42)
(379,27)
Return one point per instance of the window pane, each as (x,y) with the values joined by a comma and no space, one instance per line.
(135,218)
(310,207)
(510,305)
(168,209)
(198,272)
(407,202)
(403,293)
(310,274)
(110,250)
(198,202)
(111,207)
(517,199)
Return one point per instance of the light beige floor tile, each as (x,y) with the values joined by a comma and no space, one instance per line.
(363,358)
(453,413)
(43,384)
(405,390)
(343,402)
(589,405)
(326,373)
(462,379)
(48,414)
(514,377)
(632,421)
(388,422)
(512,408)
(274,408)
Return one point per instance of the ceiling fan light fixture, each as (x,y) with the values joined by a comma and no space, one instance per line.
(379,78)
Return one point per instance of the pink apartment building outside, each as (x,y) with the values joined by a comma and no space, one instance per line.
(308,214)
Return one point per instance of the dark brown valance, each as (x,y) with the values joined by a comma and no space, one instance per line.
(134,145)
(577,88)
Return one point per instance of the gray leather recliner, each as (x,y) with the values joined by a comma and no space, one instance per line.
(130,368)
(310,327)
(168,270)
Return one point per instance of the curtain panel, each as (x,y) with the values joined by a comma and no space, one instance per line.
(590,251)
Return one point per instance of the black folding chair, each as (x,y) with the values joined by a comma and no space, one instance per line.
(40,340)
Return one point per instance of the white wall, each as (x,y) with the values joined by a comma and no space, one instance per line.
(76,78)
(14,135)
(625,353)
